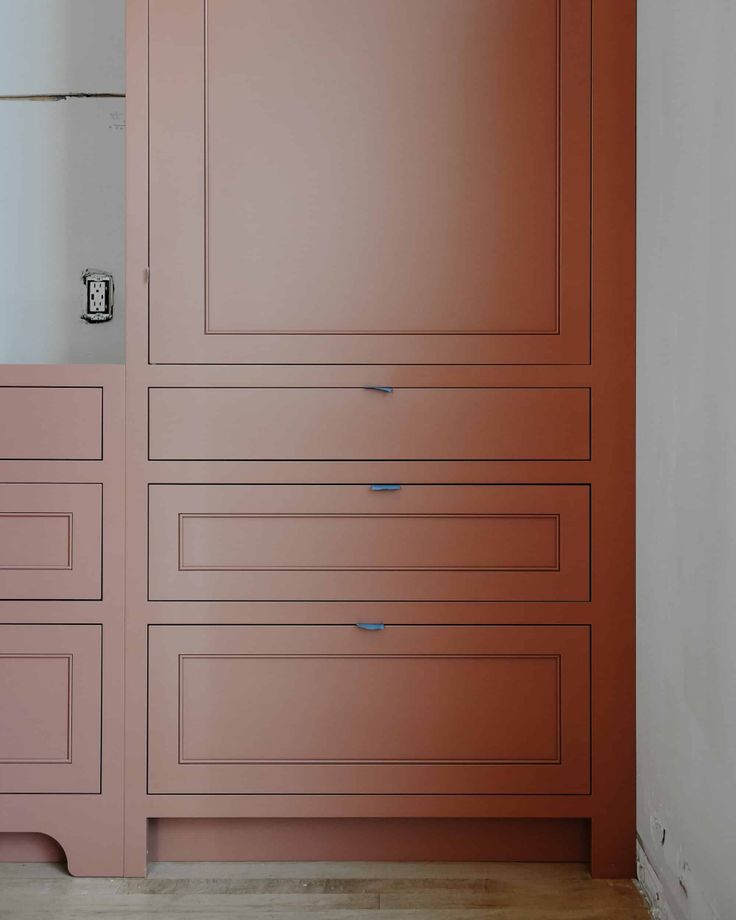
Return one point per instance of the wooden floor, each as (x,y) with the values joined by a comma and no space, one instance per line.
(333,891)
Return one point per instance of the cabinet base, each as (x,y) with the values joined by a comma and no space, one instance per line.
(368,839)
(89,840)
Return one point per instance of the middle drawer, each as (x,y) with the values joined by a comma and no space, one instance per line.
(233,542)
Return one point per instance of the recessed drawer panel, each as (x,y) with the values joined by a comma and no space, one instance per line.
(351,423)
(349,542)
(51,423)
(50,537)
(410,710)
(50,708)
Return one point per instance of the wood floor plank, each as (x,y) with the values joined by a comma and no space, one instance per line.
(322,891)
(464,870)
(90,911)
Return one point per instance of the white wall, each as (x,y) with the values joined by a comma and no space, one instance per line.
(61,177)
(687,449)
(61,46)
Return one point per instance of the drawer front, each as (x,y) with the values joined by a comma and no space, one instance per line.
(50,541)
(51,423)
(410,710)
(50,689)
(352,423)
(347,542)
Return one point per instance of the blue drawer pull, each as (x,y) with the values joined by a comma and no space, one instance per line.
(385,487)
(380,389)
(370,627)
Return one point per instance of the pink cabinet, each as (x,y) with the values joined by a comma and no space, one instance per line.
(413,710)
(61,535)
(50,541)
(50,708)
(352,542)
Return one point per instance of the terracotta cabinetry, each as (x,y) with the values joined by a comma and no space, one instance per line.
(380,373)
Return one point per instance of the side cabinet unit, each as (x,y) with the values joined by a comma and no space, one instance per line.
(380,416)
(61,610)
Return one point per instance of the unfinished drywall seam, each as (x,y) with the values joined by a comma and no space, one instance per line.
(61,97)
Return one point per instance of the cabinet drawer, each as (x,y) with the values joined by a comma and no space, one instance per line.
(51,423)
(50,541)
(352,423)
(410,710)
(50,714)
(347,542)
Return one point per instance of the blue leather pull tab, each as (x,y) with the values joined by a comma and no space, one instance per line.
(385,487)
(370,627)
(380,389)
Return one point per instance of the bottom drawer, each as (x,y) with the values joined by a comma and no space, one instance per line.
(337,709)
(50,699)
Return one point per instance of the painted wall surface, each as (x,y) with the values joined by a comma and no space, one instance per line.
(62,46)
(62,168)
(687,450)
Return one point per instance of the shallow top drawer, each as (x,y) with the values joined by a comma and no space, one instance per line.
(51,423)
(372,423)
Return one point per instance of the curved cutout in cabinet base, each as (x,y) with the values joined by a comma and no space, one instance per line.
(30,848)
(87,839)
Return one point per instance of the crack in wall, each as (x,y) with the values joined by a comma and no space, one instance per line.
(61,97)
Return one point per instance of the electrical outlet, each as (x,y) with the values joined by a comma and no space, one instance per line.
(98,296)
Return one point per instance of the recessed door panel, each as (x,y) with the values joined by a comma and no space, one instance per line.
(350,542)
(413,710)
(342,181)
(50,541)
(350,423)
(50,695)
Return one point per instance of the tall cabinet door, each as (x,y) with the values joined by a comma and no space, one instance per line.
(383,182)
